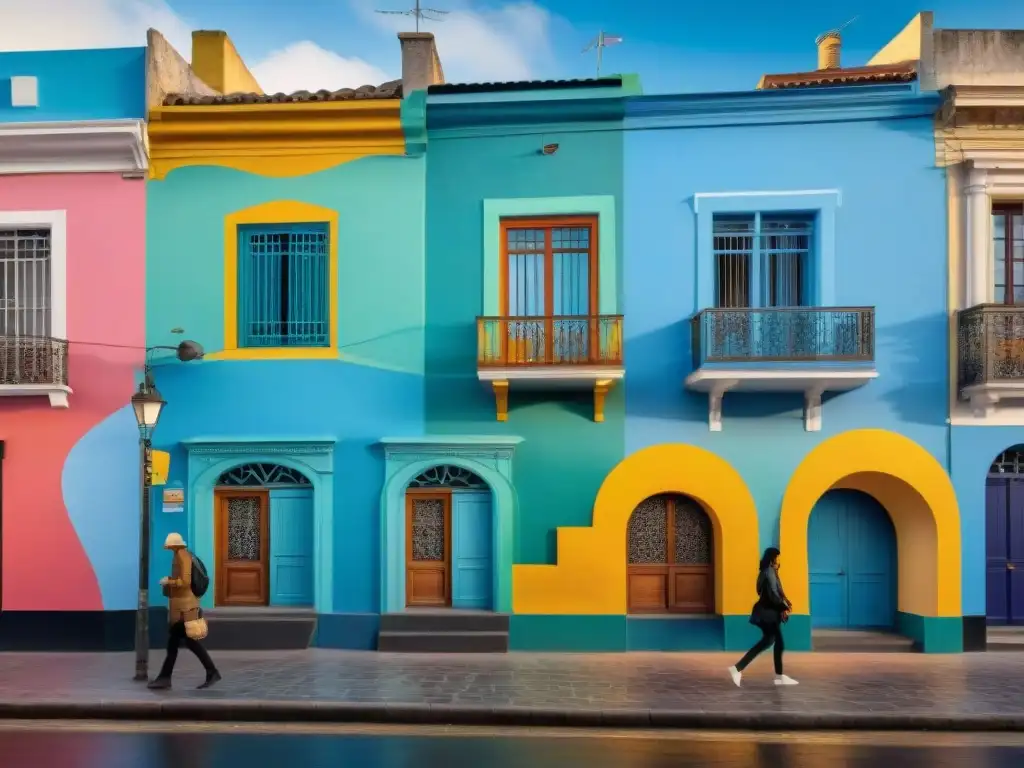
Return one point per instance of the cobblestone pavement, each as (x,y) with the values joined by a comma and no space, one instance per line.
(982,691)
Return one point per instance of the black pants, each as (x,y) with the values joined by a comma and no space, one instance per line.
(175,638)
(770,633)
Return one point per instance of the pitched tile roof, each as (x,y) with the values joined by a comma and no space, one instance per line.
(900,72)
(526,85)
(389,90)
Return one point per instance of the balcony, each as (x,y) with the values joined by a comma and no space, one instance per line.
(812,350)
(34,366)
(990,356)
(550,353)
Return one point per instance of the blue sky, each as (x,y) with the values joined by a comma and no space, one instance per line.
(674,46)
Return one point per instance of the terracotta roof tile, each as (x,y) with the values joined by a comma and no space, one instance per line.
(389,90)
(900,72)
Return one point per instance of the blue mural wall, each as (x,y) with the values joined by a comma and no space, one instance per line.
(888,254)
(100,84)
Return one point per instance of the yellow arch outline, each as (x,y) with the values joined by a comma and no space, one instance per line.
(276,212)
(915,490)
(590,577)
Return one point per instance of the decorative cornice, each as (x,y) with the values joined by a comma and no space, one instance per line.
(439,446)
(817,105)
(276,140)
(468,118)
(93,146)
(210,446)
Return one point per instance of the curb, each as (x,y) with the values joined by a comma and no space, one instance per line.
(453,714)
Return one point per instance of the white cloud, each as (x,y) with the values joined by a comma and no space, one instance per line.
(305,66)
(30,25)
(509,42)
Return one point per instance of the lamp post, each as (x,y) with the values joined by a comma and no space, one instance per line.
(148,404)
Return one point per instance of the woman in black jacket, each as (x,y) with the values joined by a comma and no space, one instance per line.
(770,612)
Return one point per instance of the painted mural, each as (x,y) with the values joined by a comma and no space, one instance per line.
(72,228)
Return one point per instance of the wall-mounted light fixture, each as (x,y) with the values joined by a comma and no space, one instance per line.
(549,149)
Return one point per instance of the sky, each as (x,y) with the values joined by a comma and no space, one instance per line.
(674,45)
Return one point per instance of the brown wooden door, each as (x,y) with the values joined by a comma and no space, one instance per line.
(670,557)
(428,526)
(243,547)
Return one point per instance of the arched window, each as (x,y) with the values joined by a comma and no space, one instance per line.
(670,546)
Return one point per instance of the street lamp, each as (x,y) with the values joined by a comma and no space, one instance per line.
(147,405)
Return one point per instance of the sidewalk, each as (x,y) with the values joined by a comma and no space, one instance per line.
(969,692)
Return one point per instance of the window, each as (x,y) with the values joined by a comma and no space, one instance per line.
(551,267)
(761,260)
(25,308)
(669,555)
(283,286)
(1008,253)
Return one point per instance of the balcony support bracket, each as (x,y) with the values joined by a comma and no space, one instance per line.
(500,388)
(715,395)
(812,410)
(601,389)
(56,394)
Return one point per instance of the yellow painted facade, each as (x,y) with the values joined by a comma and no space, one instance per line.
(275,140)
(906,46)
(216,62)
(590,577)
(914,489)
(275,212)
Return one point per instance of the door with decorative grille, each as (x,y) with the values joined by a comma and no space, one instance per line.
(243,542)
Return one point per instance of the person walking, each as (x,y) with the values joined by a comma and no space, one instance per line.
(184,615)
(770,612)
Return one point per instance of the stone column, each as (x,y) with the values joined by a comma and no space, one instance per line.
(979,238)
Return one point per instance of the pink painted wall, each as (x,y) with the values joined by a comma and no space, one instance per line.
(45,565)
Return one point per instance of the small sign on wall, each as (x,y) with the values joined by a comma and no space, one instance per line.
(174,499)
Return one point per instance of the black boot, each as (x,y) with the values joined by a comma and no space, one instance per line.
(160,684)
(212,678)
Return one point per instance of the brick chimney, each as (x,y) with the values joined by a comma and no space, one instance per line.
(830,44)
(421,66)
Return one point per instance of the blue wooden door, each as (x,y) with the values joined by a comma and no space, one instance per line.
(1004,544)
(472,550)
(291,547)
(852,559)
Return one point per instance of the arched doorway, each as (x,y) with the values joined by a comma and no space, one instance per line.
(852,563)
(263,537)
(450,540)
(670,541)
(1004,539)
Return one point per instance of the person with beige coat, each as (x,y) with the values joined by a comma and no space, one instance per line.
(183,606)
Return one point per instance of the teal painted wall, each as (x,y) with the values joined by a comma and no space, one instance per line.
(565,455)
(376,389)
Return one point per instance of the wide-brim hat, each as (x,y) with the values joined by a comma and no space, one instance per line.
(173,541)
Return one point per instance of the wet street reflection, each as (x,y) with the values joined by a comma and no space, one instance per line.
(148,748)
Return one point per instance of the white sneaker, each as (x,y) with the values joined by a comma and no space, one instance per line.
(736,676)
(785,680)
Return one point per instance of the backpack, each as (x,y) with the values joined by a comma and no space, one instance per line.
(200,578)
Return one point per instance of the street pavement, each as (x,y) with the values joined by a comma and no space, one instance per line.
(199,745)
(963,692)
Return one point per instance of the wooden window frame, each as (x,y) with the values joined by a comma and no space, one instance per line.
(1012,210)
(549,223)
(669,568)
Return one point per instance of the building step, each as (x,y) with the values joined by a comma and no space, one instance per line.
(1005,639)
(259,629)
(442,642)
(444,621)
(838,641)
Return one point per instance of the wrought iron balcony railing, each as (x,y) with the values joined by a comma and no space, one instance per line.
(790,334)
(990,344)
(33,360)
(506,342)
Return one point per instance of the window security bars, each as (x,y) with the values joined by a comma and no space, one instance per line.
(761,261)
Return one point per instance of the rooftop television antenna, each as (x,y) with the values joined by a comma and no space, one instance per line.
(838,29)
(419,13)
(601,42)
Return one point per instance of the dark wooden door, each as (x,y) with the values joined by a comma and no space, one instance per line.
(243,547)
(428,527)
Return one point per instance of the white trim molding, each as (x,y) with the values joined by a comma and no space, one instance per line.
(56,223)
(773,193)
(88,146)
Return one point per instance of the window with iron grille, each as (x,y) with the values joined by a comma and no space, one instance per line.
(25,308)
(762,260)
(283,286)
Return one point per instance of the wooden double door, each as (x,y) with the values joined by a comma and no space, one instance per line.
(264,547)
(449,557)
